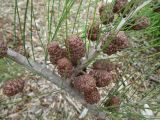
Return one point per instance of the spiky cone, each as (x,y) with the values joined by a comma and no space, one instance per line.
(93,32)
(56,52)
(103,64)
(76,48)
(141,23)
(113,103)
(92,96)
(111,49)
(106,14)
(119,5)
(12,87)
(108,47)
(84,83)
(102,77)
(65,67)
(119,42)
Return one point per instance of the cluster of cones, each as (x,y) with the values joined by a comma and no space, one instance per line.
(107,11)
(99,76)
(85,83)
(67,59)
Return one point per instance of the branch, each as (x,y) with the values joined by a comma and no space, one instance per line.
(43,71)
(94,52)
(51,76)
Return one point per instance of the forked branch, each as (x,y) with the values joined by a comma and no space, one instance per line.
(42,70)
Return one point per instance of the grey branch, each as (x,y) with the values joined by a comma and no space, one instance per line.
(42,70)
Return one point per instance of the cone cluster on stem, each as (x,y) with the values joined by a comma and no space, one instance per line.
(87,84)
(65,59)
(69,58)
(97,77)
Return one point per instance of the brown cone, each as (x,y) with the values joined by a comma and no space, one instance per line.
(102,77)
(84,83)
(112,49)
(103,64)
(55,52)
(119,5)
(12,87)
(106,15)
(114,102)
(93,32)
(92,96)
(141,23)
(65,67)
(121,40)
(76,48)
(118,43)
